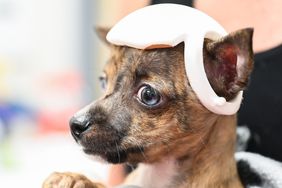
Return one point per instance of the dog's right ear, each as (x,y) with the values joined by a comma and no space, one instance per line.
(102,33)
(228,62)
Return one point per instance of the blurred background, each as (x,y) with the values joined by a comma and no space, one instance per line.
(50,59)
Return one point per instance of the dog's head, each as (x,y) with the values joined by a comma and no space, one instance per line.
(149,109)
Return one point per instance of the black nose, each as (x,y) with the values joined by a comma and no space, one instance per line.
(79,124)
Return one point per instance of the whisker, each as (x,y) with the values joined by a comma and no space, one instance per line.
(117,152)
(142,152)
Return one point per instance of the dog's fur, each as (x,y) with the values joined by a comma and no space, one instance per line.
(177,143)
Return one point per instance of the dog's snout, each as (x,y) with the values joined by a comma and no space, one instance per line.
(78,125)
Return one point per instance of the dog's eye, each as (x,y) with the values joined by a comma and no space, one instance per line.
(103,81)
(148,96)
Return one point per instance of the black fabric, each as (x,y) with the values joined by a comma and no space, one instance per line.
(247,175)
(261,109)
(181,2)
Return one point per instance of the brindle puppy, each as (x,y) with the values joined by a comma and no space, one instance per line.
(150,116)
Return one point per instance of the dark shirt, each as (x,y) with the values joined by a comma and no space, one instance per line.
(181,2)
(261,109)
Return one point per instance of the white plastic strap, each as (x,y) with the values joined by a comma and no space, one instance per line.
(170,24)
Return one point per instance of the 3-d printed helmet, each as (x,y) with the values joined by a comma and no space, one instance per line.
(166,25)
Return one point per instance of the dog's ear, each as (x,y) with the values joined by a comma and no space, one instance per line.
(228,62)
(102,33)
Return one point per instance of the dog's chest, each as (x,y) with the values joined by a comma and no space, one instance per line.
(159,175)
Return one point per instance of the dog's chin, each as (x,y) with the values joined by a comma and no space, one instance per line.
(112,155)
(108,148)
(109,156)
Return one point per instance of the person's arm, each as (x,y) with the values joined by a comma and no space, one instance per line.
(264,16)
(112,11)
(117,175)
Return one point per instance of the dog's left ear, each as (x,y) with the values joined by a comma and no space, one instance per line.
(102,33)
(228,62)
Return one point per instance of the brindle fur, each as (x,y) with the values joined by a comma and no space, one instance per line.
(201,143)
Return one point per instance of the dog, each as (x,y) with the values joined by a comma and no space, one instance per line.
(150,116)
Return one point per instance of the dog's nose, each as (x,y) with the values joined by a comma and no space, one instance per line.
(79,124)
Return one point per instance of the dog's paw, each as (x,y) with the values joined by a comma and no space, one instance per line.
(69,180)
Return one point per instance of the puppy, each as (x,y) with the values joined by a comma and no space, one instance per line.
(151,116)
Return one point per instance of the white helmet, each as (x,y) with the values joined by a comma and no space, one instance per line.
(166,25)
